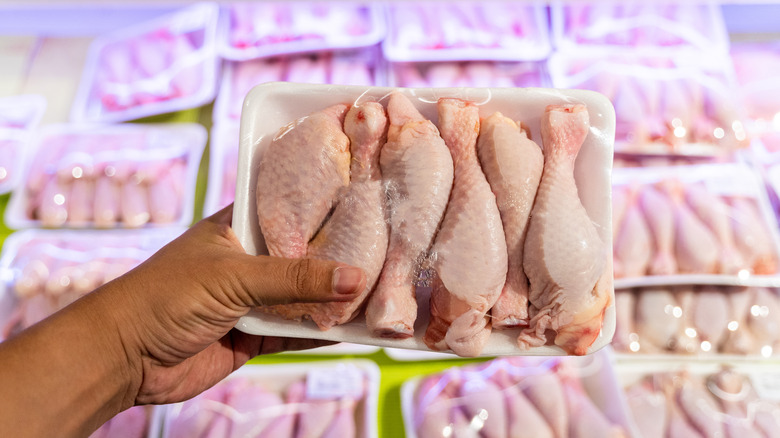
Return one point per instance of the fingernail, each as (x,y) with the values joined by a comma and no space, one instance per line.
(346,280)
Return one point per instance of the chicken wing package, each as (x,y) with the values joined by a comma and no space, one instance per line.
(250,30)
(42,271)
(324,399)
(756,66)
(113,176)
(469,74)
(19,115)
(342,67)
(159,66)
(700,399)
(665,105)
(722,322)
(699,224)
(459,31)
(401,183)
(517,397)
(646,27)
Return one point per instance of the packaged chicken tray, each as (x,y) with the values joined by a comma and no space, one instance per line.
(324,399)
(249,30)
(705,398)
(341,67)
(469,74)
(42,271)
(413,205)
(756,66)
(643,27)
(459,31)
(163,65)
(116,176)
(19,115)
(726,322)
(700,224)
(517,397)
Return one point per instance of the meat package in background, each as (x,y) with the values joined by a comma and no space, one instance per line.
(517,397)
(49,269)
(690,224)
(19,116)
(756,65)
(163,65)
(430,236)
(698,400)
(432,31)
(250,30)
(468,74)
(701,320)
(122,176)
(223,167)
(329,399)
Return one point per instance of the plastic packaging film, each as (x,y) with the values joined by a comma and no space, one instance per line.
(125,176)
(260,127)
(19,116)
(326,399)
(45,270)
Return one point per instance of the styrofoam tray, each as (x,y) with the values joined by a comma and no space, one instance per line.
(723,179)
(596,372)
(19,116)
(181,139)
(278,377)
(292,101)
(533,45)
(201,17)
(374,16)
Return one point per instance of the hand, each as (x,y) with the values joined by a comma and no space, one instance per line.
(176,311)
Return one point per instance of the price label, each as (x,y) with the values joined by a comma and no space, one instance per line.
(334,383)
(767,385)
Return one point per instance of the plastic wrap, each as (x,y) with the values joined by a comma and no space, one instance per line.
(700,399)
(469,74)
(159,66)
(701,224)
(251,30)
(703,320)
(259,127)
(19,115)
(279,401)
(756,66)
(681,105)
(516,397)
(344,67)
(125,176)
(649,28)
(432,31)
(45,270)
(223,165)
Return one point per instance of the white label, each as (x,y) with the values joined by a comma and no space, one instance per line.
(767,385)
(336,382)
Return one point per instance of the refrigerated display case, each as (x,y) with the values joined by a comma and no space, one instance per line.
(695,198)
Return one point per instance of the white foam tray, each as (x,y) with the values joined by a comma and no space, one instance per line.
(292,101)
(278,377)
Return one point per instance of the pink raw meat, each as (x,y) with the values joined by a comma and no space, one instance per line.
(659,215)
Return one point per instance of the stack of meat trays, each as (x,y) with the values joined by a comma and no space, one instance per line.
(326,399)
(644,27)
(704,399)
(315,43)
(45,270)
(533,397)
(665,106)
(159,66)
(19,116)
(112,176)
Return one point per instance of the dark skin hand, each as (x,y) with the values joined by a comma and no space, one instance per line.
(162,333)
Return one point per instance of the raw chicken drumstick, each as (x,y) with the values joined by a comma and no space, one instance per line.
(565,259)
(470,256)
(299,179)
(417,169)
(512,163)
(356,233)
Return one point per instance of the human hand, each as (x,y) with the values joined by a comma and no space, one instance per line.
(175,312)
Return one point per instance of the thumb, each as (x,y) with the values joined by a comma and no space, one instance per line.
(266,280)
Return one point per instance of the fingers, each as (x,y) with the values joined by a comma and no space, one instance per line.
(273,280)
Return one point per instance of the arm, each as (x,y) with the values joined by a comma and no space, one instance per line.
(162,333)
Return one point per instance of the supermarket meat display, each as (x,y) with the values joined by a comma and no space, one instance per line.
(469,74)
(19,116)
